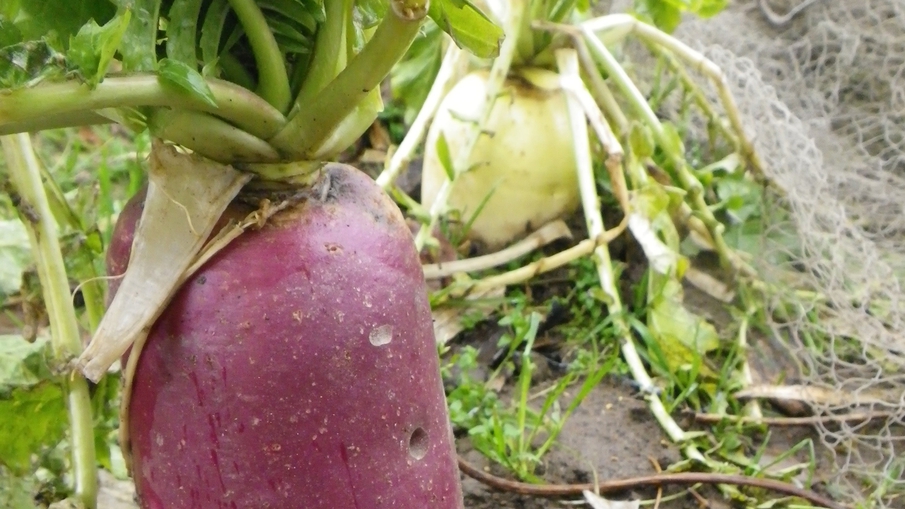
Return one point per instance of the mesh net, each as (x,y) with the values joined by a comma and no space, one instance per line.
(823,98)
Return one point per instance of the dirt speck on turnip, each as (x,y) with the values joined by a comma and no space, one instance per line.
(381,335)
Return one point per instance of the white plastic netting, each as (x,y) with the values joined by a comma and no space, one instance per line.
(823,98)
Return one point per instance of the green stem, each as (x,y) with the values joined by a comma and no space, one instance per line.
(221,142)
(329,53)
(273,81)
(316,121)
(234,103)
(73,119)
(25,177)
(686,179)
(234,71)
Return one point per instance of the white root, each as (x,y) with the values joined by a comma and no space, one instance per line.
(165,245)
(546,234)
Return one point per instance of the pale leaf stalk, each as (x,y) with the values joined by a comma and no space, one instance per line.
(598,87)
(543,236)
(25,176)
(752,408)
(402,156)
(610,142)
(567,61)
(494,86)
(186,196)
(71,101)
(624,24)
(687,180)
(546,264)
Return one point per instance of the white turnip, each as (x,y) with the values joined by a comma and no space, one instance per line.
(297,368)
(525,158)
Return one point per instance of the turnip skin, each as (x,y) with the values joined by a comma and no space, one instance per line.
(528,152)
(269,381)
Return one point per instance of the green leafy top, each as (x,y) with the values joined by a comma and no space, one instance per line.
(205,53)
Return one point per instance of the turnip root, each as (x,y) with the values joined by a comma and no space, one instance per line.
(297,368)
(525,158)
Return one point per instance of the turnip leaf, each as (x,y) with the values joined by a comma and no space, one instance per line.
(295,11)
(412,78)
(55,20)
(186,78)
(92,49)
(31,419)
(182,31)
(212,33)
(468,26)
(139,45)
(23,364)
(30,406)
(9,33)
(370,11)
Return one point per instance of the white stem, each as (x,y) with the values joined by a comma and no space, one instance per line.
(567,61)
(622,25)
(545,235)
(546,264)
(752,408)
(415,135)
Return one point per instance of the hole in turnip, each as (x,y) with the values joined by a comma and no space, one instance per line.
(418,444)
(382,335)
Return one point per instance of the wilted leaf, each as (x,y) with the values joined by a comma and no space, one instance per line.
(28,62)
(22,364)
(682,335)
(15,255)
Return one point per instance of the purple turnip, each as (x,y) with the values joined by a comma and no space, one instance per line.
(297,368)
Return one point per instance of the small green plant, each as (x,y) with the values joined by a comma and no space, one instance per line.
(518,434)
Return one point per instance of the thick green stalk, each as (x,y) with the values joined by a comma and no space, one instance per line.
(234,103)
(329,52)
(273,81)
(220,141)
(316,121)
(25,177)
